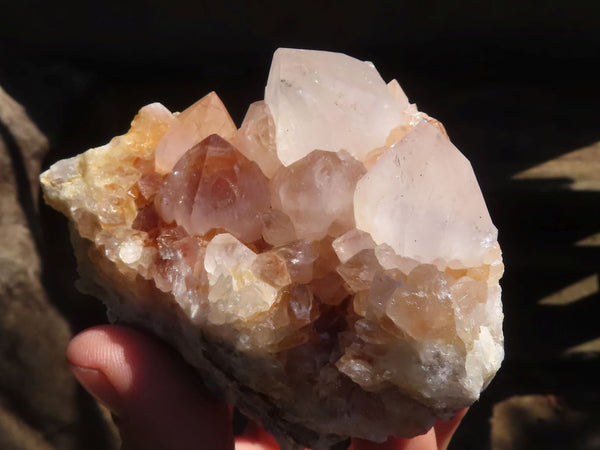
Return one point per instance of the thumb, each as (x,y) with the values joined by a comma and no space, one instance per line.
(156,399)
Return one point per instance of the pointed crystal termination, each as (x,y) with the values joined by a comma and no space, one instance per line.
(331,265)
(422,198)
(235,291)
(205,117)
(256,138)
(213,186)
(328,101)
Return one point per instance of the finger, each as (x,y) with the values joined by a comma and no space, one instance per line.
(445,430)
(255,437)
(243,443)
(157,399)
(423,442)
(256,433)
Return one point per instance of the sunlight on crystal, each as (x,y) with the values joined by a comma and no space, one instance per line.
(575,292)
(205,117)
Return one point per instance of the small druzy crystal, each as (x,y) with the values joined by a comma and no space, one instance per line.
(330,265)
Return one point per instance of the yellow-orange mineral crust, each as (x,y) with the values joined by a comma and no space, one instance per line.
(331,265)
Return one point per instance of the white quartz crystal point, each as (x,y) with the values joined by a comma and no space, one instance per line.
(205,117)
(328,101)
(422,198)
(235,292)
(398,95)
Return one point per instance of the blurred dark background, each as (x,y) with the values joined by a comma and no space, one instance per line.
(515,83)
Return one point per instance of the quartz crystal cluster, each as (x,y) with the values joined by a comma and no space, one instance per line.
(331,264)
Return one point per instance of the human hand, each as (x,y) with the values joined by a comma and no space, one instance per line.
(158,401)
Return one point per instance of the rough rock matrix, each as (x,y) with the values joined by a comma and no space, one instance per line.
(330,265)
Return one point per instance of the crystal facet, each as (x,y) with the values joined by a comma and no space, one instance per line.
(328,101)
(316,193)
(214,186)
(422,198)
(205,117)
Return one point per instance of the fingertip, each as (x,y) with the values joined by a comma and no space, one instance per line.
(102,349)
(98,385)
(81,351)
(158,399)
(255,435)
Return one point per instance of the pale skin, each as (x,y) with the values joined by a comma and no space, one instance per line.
(158,402)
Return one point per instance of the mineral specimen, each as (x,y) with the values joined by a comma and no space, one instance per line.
(330,265)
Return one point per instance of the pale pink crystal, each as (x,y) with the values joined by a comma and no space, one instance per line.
(278,228)
(359,270)
(316,193)
(410,113)
(422,198)
(213,186)
(180,269)
(398,95)
(272,268)
(299,257)
(328,101)
(205,117)
(352,242)
(256,138)
(405,304)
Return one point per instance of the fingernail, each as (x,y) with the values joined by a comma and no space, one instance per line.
(98,385)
